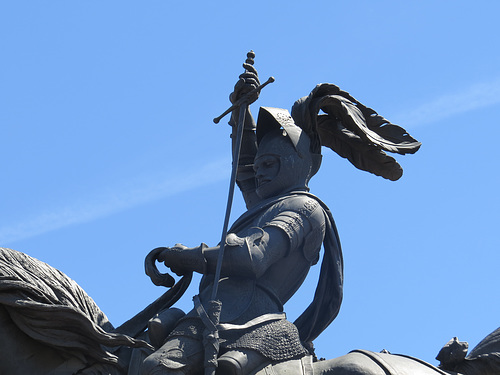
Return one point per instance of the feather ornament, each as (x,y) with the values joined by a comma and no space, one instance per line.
(352,130)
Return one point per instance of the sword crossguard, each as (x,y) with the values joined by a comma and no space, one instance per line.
(244,99)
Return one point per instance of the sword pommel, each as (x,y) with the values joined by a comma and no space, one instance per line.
(250,57)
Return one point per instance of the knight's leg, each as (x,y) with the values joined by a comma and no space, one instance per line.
(179,355)
(239,362)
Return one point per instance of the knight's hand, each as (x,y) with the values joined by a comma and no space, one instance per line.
(247,82)
(183,260)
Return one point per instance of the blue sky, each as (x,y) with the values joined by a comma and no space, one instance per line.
(109,150)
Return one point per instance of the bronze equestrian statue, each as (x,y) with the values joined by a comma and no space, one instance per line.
(237,325)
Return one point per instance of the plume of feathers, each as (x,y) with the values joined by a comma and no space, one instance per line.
(352,130)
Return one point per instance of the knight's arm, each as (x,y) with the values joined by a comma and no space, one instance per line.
(245,177)
(250,256)
(243,256)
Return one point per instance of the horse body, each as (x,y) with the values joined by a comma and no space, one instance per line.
(357,362)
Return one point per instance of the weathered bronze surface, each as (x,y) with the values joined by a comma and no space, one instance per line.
(49,325)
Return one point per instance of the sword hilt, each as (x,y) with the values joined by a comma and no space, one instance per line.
(244,99)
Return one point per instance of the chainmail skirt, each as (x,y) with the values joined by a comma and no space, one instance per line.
(277,340)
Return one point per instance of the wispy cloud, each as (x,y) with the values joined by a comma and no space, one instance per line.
(113,199)
(471,98)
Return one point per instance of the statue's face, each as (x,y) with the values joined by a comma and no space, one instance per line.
(278,167)
(267,168)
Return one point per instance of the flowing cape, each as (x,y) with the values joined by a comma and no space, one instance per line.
(53,309)
(328,295)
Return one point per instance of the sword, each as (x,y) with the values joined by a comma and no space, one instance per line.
(212,316)
(243,104)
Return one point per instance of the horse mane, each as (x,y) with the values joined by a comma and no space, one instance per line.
(53,309)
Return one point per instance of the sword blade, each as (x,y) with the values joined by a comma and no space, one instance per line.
(232,183)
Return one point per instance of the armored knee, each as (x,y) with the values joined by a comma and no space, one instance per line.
(239,362)
(229,366)
(162,324)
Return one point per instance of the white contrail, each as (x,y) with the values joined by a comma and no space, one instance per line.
(471,98)
(112,200)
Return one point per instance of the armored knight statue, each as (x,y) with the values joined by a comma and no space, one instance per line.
(270,248)
(49,325)
(268,253)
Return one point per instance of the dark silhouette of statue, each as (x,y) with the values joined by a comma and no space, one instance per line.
(49,325)
(268,253)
